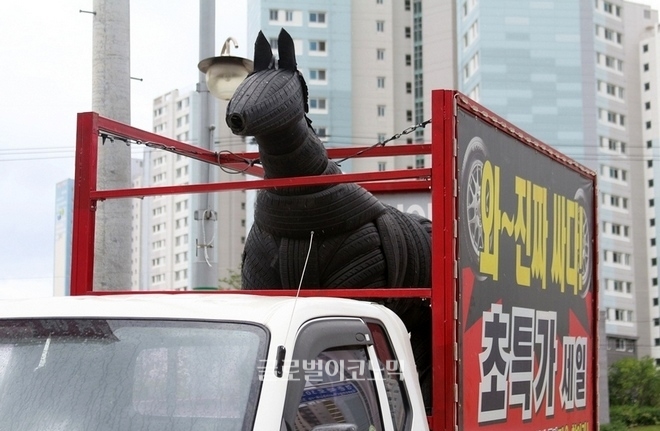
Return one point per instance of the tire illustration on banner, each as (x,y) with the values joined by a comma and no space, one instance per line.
(470,202)
(586,262)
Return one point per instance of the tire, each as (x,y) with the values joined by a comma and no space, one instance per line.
(308,158)
(337,252)
(470,195)
(407,248)
(586,265)
(336,210)
(293,255)
(260,267)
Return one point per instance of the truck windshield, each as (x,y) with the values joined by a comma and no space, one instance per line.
(107,375)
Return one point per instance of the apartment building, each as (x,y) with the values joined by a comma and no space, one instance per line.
(580,76)
(167,236)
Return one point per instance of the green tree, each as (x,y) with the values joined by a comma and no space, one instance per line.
(634,382)
(232,281)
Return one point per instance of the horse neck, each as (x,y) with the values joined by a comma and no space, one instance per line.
(294,150)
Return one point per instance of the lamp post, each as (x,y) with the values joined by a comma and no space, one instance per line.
(225,73)
(219,76)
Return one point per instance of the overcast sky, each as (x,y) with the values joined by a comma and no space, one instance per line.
(45,78)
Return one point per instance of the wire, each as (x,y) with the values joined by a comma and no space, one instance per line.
(207,245)
(302,277)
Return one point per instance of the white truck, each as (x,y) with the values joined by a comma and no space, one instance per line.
(513,303)
(205,362)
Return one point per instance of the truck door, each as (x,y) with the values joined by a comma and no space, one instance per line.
(336,381)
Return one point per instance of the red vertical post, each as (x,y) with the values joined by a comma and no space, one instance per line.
(84,217)
(443,276)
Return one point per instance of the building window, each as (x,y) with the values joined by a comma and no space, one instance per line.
(380,54)
(612,9)
(619,315)
(645,48)
(274,14)
(646,67)
(611,35)
(381,110)
(317,46)
(618,258)
(181,257)
(317,17)
(288,16)
(408,87)
(652,222)
(618,286)
(380,26)
(647,86)
(408,59)
(652,242)
(647,105)
(648,125)
(318,104)
(649,163)
(615,173)
(380,82)
(382,166)
(317,75)
(409,116)
(407,32)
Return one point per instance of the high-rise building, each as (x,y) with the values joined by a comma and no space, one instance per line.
(573,74)
(363,65)
(165,236)
(580,76)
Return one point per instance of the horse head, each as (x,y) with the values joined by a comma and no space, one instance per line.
(273,96)
(270,104)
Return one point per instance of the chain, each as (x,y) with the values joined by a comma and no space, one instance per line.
(405,131)
(249,163)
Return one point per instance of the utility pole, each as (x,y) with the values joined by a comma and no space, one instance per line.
(204,268)
(111,98)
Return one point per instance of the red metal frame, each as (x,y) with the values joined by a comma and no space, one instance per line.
(86,194)
(440,180)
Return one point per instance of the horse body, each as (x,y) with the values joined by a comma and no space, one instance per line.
(358,241)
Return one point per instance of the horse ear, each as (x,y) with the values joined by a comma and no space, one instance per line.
(263,53)
(287,51)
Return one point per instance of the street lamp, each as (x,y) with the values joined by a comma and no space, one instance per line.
(225,73)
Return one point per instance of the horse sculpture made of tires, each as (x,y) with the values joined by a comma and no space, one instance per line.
(358,241)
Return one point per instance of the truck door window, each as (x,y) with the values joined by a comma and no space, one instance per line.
(339,389)
(394,384)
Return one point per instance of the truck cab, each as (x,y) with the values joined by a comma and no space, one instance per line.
(206,362)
